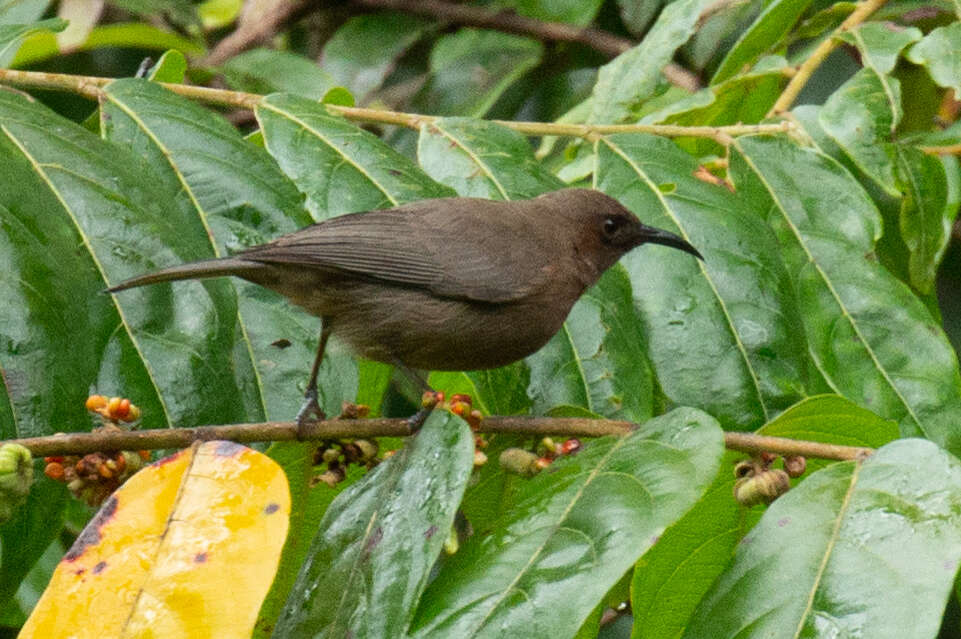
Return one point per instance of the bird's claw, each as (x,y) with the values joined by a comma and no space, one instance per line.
(310,411)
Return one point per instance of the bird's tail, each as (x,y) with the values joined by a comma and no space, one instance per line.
(193,270)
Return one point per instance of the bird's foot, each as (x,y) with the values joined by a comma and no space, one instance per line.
(310,411)
(428,401)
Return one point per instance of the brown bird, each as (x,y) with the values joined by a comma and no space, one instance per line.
(445,284)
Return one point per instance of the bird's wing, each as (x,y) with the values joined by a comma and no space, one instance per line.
(440,250)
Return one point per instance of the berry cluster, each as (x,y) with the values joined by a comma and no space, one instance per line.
(527,464)
(758,483)
(94,476)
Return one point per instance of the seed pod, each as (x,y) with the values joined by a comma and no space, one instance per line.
(519,462)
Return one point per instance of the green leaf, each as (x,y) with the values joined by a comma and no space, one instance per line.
(579,12)
(235,195)
(24,538)
(926,214)
(496,391)
(860,117)
(269,70)
(573,533)
(22,11)
(171,67)
(744,99)
(870,337)
(880,43)
(363,51)
(482,159)
(308,505)
(637,14)
(769,29)
(42,46)
(338,166)
(472,68)
(371,558)
(78,214)
(938,52)
(832,419)
(675,574)
(13,35)
(631,77)
(867,549)
(597,360)
(749,361)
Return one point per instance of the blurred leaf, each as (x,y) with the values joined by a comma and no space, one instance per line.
(880,43)
(180,12)
(827,19)
(13,35)
(631,77)
(236,197)
(769,29)
(675,574)
(937,52)
(637,14)
(579,12)
(860,117)
(268,71)
(193,539)
(573,533)
(216,14)
(472,68)
(925,220)
(597,360)
(32,586)
(376,545)
(866,549)
(750,358)
(871,338)
(340,167)
(137,35)
(363,51)
(22,11)
(35,525)
(482,159)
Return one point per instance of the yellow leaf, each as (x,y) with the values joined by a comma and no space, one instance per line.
(188,547)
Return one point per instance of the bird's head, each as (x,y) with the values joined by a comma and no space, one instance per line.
(609,229)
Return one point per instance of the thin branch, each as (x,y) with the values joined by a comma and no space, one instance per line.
(607,43)
(92,87)
(948,149)
(823,50)
(255,27)
(112,440)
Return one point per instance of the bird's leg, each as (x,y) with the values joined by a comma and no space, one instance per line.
(311,409)
(430,397)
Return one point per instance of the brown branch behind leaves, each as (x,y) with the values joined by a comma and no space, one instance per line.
(111,440)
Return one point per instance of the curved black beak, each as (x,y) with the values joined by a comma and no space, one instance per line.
(649,234)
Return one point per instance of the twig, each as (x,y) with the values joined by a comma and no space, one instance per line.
(253,30)
(823,50)
(112,440)
(607,43)
(92,87)
(948,149)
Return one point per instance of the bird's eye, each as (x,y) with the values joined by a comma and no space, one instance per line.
(611,225)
